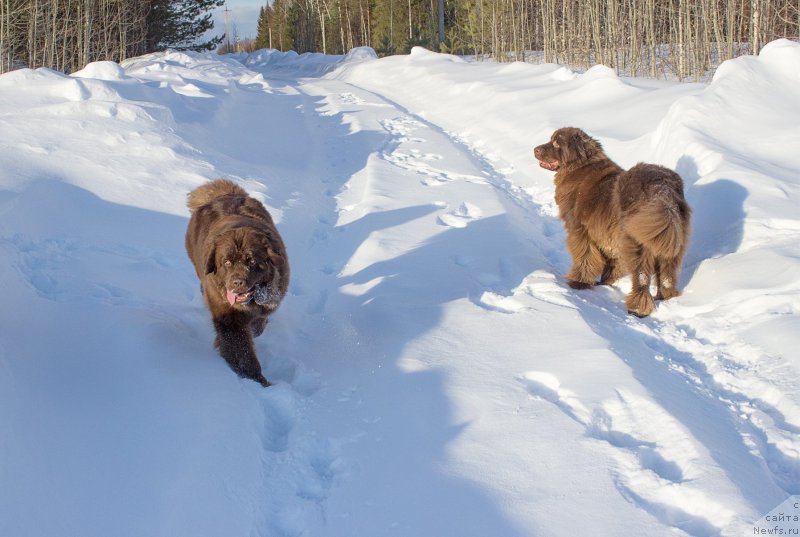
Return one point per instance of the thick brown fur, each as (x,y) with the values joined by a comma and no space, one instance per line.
(241,261)
(618,221)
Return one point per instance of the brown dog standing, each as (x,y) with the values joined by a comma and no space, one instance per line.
(241,261)
(617,221)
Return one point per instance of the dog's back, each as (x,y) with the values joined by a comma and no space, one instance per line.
(208,192)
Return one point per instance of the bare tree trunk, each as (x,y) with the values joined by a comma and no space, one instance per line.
(5,61)
(87,31)
(611,36)
(755,10)
(651,37)
(715,23)
(364,39)
(545,31)
(441,21)
(318,4)
(410,33)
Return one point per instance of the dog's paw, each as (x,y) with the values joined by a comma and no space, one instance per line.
(610,277)
(263,381)
(640,304)
(665,293)
(579,285)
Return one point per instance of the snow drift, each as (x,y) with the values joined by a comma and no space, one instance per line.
(435,376)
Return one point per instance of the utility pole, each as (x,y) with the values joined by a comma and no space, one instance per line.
(227,32)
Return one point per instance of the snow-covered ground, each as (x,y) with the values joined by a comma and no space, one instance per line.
(434,375)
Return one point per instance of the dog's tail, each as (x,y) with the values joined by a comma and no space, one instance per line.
(212,190)
(662,227)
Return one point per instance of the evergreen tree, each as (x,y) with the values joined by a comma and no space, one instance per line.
(275,24)
(263,32)
(303,26)
(179,24)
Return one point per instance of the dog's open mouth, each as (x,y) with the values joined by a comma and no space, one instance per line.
(238,298)
(552,165)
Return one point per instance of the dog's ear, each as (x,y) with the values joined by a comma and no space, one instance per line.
(211,261)
(276,258)
(583,146)
(566,146)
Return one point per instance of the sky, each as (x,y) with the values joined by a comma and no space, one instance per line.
(242,16)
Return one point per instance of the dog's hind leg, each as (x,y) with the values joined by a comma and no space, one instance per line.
(588,261)
(667,278)
(612,272)
(641,264)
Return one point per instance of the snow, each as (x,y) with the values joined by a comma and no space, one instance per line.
(433,373)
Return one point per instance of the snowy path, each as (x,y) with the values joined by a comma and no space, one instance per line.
(434,376)
(655,442)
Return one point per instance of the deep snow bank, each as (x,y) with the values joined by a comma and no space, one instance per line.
(734,142)
(307,64)
(433,370)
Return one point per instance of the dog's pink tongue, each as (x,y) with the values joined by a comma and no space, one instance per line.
(231,296)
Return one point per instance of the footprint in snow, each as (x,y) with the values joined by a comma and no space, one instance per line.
(539,286)
(460,217)
(502,304)
(543,385)
(657,459)
(349,98)
(544,286)
(280,416)
(401,126)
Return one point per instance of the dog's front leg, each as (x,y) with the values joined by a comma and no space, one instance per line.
(588,261)
(235,344)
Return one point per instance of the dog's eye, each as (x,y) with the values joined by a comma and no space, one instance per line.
(555,144)
(251,261)
(228,263)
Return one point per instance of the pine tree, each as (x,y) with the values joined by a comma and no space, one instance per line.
(179,24)
(263,32)
(303,28)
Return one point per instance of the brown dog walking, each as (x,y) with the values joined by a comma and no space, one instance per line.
(241,261)
(618,221)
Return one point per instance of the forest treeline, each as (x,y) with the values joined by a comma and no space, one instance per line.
(67,34)
(656,38)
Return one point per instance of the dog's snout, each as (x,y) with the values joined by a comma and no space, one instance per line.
(237,283)
(537,151)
